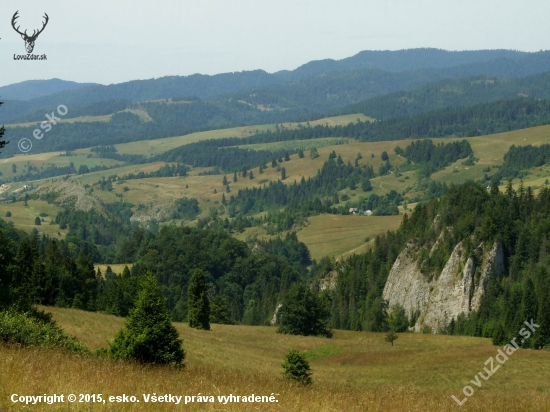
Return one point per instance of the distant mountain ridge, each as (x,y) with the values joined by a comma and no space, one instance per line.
(206,86)
(334,86)
(400,61)
(32,89)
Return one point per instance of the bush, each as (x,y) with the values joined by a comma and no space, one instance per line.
(8,214)
(296,368)
(391,337)
(148,335)
(304,313)
(35,329)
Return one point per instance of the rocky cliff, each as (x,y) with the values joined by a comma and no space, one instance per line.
(437,298)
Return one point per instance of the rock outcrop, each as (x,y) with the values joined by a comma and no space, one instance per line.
(436,299)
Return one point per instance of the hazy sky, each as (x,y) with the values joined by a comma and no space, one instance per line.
(111,41)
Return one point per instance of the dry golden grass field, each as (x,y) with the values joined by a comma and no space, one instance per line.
(354,371)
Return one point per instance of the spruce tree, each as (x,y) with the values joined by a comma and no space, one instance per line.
(198,306)
(148,335)
(235,177)
(283,173)
(297,368)
(224,180)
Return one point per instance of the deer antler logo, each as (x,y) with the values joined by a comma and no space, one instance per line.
(29,40)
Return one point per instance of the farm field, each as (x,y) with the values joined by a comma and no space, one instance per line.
(340,236)
(354,371)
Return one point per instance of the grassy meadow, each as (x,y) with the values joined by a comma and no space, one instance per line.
(354,371)
(23,217)
(340,236)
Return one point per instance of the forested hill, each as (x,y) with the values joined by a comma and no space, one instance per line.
(451,93)
(474,216)
(174,120)
(476,120)
(317,92)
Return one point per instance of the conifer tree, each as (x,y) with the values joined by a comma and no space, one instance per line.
(297,368)
(225,180)
(301,154)
(198,306)
(303,313)
(2,131)
(235,177)
(148,335)
(283,173)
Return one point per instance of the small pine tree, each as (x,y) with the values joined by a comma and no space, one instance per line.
(391,337)
(8,214)
(283,173)
(37,221)
(223,199)
(261,169)
(287,157)
(301,154)
(313,153)
(198,306)
(297,368)
(234,177)
(273,162)
(225,182)
(251,175)
(148,335)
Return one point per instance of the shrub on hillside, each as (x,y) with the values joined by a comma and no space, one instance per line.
(35,329)
(296,368)
(148,335)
